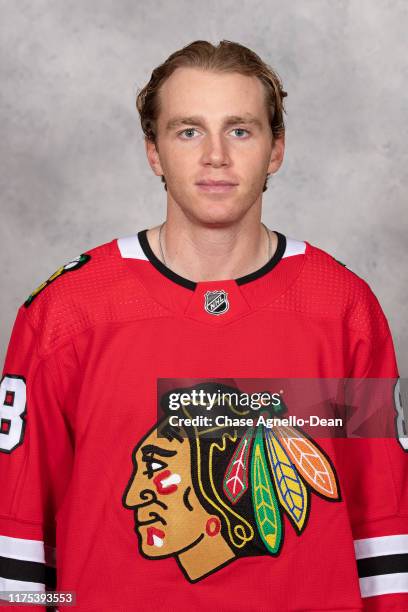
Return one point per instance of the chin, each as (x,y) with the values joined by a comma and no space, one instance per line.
(152,554)
(221,220)
(213,213)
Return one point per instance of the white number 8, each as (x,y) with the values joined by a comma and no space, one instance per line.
(12,411)
(400,420)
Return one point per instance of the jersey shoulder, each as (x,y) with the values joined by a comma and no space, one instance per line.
(337,291)
(324,266)
(94,287)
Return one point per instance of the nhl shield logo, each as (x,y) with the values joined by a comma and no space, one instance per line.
(216,302)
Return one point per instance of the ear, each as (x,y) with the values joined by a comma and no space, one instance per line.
(277,154)
(153,157)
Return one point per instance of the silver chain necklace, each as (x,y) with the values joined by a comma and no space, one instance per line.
(164,260)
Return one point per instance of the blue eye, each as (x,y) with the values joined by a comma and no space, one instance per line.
(187,130)
(240,130)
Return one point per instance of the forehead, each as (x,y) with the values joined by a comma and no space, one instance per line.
(161,442)
(193,91)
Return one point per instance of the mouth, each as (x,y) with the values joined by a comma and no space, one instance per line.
(155,537)
(216,186)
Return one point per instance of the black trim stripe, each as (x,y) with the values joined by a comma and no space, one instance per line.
(188,284)
(28,571)
(384,564)
(274,260)
(159,265)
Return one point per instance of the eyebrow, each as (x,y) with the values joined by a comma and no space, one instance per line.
(246,119)
(151,449)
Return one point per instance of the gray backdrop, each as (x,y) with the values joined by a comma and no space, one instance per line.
(73,167)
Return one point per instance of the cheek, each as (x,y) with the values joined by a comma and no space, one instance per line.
(167,482)
(177,158)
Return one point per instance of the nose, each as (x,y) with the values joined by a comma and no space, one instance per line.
(136,493)
(215,152)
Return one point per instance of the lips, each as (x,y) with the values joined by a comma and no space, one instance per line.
(216,187)
(212,183)
(155,537)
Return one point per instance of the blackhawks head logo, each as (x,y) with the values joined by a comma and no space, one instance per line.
(209,501)
(74,264)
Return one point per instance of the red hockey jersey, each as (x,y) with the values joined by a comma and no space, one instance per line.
(101,496)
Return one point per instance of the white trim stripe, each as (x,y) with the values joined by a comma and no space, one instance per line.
(294,247)
(129,247)
(385,545)
(27,550)
(7,584)
(384,584)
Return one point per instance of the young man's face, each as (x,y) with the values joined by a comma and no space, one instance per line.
(214,127)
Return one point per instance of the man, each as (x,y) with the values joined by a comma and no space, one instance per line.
(233,518)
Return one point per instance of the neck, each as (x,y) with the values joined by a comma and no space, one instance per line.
(202,252)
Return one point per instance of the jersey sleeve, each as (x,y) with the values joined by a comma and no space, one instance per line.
(375,477)
(36,453)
